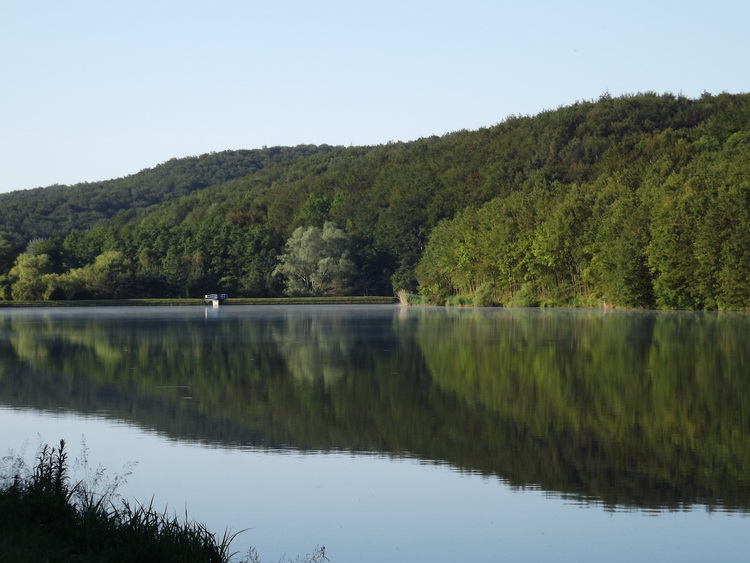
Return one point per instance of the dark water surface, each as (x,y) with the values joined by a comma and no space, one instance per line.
(405,434)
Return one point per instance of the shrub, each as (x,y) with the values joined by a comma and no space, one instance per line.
(527,296)
(459,301)
(484,296)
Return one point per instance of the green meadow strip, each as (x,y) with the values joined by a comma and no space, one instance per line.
(183,302)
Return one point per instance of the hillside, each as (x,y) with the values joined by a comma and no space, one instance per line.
(59,210)
(637,201)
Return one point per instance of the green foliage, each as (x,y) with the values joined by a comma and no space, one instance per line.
(527,296)
(316,261)
(10,247)
(641,218)
(636,201)
(484,296)
(459,301)
(60,210)
(30,277)
(44,516)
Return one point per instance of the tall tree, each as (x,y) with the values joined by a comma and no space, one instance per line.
(316,261)
(28,275)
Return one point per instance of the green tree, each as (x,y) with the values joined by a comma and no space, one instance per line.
(316,261)
(314,211)
(28,275)
(619,269)
(435,271)
(111,275)
(10,248)
(52,247)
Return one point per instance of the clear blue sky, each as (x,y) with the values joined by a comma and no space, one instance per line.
(93,90)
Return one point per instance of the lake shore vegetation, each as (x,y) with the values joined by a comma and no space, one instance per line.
(46,516)
(179,302)
(638,201)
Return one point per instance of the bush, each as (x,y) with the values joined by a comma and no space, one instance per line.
(433,294)
(484,296)
(459,301)
(526,297)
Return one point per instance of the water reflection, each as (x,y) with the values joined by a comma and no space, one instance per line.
(624,409)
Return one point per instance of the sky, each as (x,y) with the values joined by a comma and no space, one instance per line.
(95,90)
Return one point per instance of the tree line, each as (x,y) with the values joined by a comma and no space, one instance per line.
(665,223)
(633,201)
(57,210)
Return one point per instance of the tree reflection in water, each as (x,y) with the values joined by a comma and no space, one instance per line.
(624,408)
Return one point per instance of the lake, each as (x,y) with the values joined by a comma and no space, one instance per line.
(392,433)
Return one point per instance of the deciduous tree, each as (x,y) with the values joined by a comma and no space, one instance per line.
(316,261)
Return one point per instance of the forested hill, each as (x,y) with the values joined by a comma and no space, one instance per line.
(59,210)
(636,201)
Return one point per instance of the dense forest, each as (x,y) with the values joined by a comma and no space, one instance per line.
(633,201)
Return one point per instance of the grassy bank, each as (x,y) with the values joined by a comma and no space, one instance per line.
(46,516)
(232,301)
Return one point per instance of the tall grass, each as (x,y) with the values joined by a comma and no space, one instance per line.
(405,298)
(459,301)
(45,516)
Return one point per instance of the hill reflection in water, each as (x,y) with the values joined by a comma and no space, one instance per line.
(622,408)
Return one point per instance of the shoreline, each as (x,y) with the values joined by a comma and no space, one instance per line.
(377,300)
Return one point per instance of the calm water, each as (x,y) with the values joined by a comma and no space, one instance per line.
(404,434)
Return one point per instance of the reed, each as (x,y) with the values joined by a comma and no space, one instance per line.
(459,301)
(405,298)
(46,516)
